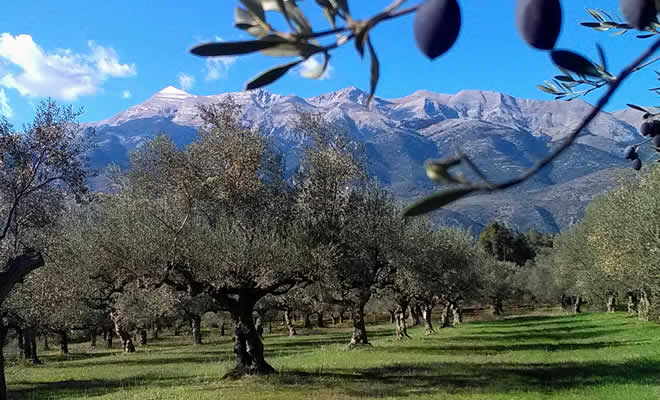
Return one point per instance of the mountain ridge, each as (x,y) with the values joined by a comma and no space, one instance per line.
(503,134)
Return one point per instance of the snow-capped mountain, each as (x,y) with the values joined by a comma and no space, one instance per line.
(503,134)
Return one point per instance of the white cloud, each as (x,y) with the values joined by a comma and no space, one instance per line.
(312,67)
(186,81)
(126,94)
(107,61)
(5,109)
(218,67)
(62,74)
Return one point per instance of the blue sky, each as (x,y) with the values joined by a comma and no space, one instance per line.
(107,56)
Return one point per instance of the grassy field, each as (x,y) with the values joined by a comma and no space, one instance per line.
(588,356)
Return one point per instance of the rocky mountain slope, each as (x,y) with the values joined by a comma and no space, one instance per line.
(503,134)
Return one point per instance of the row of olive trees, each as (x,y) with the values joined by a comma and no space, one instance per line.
(218,226)
(611,254)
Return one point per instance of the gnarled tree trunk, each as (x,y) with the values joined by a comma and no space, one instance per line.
(445,319)
(19,337)
(498,307)
(644,306)
(577,305)
(427,309)
(30,345)
(64,341)
(359,336)
(632,303)
(222,328)
(155,330)
(319,319)
(611,303)
(124,336)
(143,337)
(400,321)
(341,315)
(248,348)
(289,323)
(307,324)
(259,325)
(107,336)
(196,325)
(414,314)
(333,318)
(392,316)
(92,338)
(456,314)
(3,384)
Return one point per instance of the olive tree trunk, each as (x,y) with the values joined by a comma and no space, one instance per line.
(577,305)
(123,334)
(498,307)
(259,325)
(392,316)
(400,322)
(143,337)
(19,338)
(289,323)
(155,330)
(307,324)
(319,319)
(644,306)
(341,315)
(632,303)
(456,314)
(64,341)
(359,336)
(414,314)
(248,348)
(196,325)
(3,384)
(427,309)
(611,303)
(445,319)
(30,345)
(107,336)
(92,338)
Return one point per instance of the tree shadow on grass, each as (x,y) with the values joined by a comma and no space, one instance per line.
(88,387)
(540,335)
(413,380)
(463,350)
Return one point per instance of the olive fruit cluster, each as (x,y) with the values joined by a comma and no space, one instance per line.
(438,22)
(650,128)
(630,153)
(436,28)
(539,22)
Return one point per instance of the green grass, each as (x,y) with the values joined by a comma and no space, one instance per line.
(588,356)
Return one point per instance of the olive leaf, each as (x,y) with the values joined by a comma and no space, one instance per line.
(340,5)
(271,75)
(255,8)
(435,201)
(375,71)
(638,108)
(438,170)
(601,56)
(575,62)
(215,49)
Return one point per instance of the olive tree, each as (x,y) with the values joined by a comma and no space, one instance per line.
(39,167)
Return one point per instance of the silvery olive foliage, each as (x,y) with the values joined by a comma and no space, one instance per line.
(437,26)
